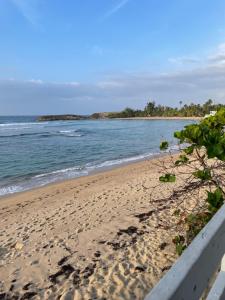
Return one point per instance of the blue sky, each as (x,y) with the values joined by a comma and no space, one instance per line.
(95,55)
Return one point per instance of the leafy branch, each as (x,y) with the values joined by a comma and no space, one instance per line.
(202,164)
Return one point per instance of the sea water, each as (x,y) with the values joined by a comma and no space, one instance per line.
(35,153)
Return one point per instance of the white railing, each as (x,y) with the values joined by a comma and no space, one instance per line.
(190,276)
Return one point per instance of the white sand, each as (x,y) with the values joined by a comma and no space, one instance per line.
(82,239)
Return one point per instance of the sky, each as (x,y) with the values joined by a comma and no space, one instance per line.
(85,56)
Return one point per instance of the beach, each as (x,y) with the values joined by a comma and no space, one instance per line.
(102,236)
(162,118)
(112,148)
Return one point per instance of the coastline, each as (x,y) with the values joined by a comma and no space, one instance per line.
(159,118)
(97,171)
(52,118)
(102,235)
(127,161)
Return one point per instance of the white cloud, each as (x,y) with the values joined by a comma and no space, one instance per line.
(214,58)
(183,60)
(219,55)
(73,83)
(109,84)
(205,79)
(36,81)
(116,8)
(29,10)
(111,94)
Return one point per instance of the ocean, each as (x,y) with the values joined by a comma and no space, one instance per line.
(33,154)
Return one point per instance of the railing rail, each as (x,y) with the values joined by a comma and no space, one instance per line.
(190,275)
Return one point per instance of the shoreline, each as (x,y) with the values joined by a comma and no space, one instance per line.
(52,119)
(95,172)
(159,118)
(91,172)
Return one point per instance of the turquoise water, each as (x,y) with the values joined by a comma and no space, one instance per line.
(34,154)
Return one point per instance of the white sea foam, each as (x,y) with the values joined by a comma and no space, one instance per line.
(120,161)
(68,131)
(10,190)
(74,135)
(62,171)
(71,133)
(21,124)
(15,128)
(78,171)
(92,166)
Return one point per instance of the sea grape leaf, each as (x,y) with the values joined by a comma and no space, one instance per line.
(183,159)
(215,200)
(189,150)
(164,145)
(179,241)
(203,174)
(180,247)
(167,178)
(179,135)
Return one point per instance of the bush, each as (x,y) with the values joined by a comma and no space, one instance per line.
(206,154)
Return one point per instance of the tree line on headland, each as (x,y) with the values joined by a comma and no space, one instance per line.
(151,110)
(154,110)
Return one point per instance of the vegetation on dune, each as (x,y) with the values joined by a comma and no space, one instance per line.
(153,110)
(204,161)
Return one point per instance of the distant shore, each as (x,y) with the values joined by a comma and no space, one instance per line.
(159,118)
(99,236)
(104,116)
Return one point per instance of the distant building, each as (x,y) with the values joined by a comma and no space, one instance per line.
(212,113)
